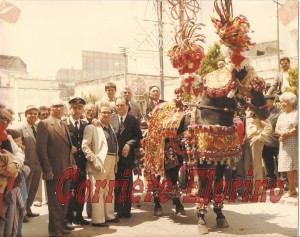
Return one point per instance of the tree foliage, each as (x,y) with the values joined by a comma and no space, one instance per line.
(90,99)
(293,80)
(210,62)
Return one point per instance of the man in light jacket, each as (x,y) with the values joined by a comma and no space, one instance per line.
(100,147)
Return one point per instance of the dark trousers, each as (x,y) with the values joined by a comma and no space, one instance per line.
(57,211)
(269,155)
(74,206)
(219,171)
(173,174)
(32,184)
(122,193)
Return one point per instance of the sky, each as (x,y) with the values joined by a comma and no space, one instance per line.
(52,34)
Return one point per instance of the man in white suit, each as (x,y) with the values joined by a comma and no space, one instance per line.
(100,147)
(28,134)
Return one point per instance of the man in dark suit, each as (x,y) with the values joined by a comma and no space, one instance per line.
(135,109)
(128,132)
(154,94)
(271,145)
(76,127)
(54,148)
(281,82)
(28,135)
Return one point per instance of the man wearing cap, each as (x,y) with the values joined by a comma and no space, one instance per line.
(28,134)
(271,145)
(76,126)
(54,148)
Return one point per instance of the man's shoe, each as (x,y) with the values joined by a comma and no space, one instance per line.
(81,222)
(180,211)
(37,204)
(119,215)
(31,214)
(69,226)
(126,215)
(114,220)
(65,231)
(100,224)
(25,220)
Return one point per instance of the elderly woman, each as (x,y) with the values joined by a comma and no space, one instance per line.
(287,129)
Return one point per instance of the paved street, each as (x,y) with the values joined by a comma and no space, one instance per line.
(251,219)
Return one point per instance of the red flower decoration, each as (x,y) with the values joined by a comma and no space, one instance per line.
(187,54)
(3,135)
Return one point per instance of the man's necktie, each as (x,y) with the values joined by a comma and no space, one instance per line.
(76,127)
(34,132)
(62,127)
(121,125)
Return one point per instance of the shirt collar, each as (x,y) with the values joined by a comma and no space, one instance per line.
(73,120)
(103,126)
(124,117)
(57,120)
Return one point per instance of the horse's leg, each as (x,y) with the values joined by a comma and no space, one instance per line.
(202,205)
(201,210)
(218,205)
(157,206)
(173,175)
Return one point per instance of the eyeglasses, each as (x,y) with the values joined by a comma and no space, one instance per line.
(3,118)
(35,114)
(44,114)
(57,106)
(105,112)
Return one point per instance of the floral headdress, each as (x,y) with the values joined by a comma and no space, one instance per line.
(232,31)
(187,54)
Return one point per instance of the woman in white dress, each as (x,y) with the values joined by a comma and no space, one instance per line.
(287,129)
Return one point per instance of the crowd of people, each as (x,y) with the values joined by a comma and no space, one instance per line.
(98,141)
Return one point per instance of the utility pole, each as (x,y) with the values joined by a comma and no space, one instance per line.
(161,46)
(278,45)
(124,52)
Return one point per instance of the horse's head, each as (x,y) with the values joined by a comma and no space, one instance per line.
(250,91)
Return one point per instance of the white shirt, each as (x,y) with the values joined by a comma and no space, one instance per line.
(285,81)
(58,121)
(73,122)
(124,117)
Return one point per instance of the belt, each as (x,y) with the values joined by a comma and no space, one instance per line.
(111,154)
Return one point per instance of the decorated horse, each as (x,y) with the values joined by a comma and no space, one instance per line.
(197,127)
